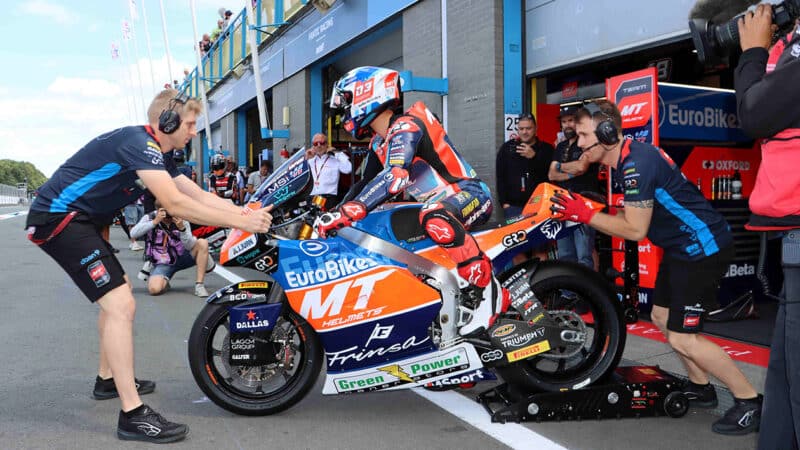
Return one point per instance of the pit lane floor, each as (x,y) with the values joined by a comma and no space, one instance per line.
(50,357)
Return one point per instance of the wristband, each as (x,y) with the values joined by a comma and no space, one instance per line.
(558,167)
(570,176)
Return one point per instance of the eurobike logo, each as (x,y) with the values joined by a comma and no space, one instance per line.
(314,248)
(330,270)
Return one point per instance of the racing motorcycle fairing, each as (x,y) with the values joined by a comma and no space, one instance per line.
(289,180)
(409,372)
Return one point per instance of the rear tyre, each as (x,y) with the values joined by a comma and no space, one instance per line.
(260,390)
(579,299)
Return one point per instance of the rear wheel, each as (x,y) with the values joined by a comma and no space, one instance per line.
(578,299)
(259,390)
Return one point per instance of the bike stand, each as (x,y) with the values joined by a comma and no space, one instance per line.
(632,391)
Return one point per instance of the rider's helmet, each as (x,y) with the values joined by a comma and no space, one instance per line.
(218,164)
(363,93)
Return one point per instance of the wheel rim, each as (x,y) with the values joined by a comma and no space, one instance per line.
(571,309)
(256,383)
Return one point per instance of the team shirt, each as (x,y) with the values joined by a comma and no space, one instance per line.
(101,177)
(684,224)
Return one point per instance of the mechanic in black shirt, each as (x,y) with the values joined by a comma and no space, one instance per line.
(571,172)
(522,164)
(768,100)
(109,172)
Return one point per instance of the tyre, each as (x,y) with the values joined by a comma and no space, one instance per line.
(580,299)
(260,390)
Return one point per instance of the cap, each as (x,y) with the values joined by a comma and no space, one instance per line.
(228,13)
(570,110)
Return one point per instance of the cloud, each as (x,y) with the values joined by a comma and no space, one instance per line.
(47,126)
(48,10)
(83,87)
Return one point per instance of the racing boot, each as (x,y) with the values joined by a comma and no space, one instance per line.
(483,299)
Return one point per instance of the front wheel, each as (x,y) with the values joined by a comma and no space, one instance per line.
(259,390)
(579,299)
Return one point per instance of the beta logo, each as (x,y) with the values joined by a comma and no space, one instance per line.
(735,270)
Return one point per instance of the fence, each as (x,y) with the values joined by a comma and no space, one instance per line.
(11,195)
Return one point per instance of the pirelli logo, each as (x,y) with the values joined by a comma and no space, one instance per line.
(526,352)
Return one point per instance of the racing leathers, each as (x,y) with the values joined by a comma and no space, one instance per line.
(419,160)
(223,185)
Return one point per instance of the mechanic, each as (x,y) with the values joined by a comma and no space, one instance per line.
(222,182)
(109,172)
(421,161)
(767,97)
(662,205)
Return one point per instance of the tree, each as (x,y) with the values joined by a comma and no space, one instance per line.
(13,172)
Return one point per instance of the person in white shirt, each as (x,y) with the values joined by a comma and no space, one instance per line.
(255,179)
(326,164)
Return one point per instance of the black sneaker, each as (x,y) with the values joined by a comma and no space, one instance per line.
(149,426)
(106,389)
(701,396)
(742,418)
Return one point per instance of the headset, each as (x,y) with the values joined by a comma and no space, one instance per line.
(169,120)
(606,131)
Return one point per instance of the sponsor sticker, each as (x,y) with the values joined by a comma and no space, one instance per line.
(314,248)
(253,284)
(504,330)
(526,352)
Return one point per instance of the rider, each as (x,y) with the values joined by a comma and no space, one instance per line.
(221,182)
(418,158)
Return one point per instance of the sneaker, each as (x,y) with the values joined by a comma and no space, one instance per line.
(135,247)
(200,290)
(701,396)
(144,273)
(742,418)
(149,426)
(481,318)
(106,389)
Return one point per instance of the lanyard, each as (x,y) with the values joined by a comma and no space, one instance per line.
(319,170)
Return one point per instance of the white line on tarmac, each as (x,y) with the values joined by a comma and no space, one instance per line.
(14,214)
(511,434)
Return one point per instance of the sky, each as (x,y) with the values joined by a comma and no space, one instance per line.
(60,86)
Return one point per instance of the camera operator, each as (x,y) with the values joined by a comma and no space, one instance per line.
(768,100)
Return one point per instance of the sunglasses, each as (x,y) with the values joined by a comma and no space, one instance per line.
(319,143)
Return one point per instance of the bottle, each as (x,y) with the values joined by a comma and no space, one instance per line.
(714,188)
(736,186)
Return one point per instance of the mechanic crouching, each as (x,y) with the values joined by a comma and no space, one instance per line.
(661,204)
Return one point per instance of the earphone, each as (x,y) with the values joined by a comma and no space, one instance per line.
(606,131)
(170,120)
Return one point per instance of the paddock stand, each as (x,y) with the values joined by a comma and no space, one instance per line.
(632,391)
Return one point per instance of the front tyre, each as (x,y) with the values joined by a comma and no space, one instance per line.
(259,390)
(578,299)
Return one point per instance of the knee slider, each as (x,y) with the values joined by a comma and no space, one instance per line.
(440,226)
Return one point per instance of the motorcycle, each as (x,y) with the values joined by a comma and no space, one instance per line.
(379,302)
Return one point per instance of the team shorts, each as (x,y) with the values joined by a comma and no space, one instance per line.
(689,289)
(80,250)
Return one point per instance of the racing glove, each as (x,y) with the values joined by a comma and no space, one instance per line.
(569,206)
(343,216)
